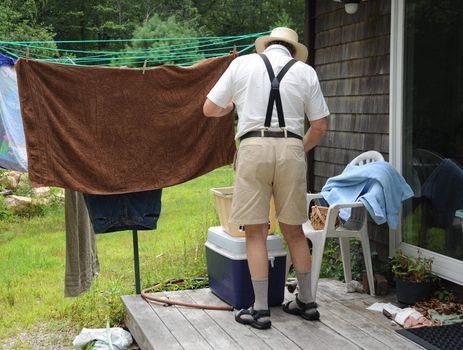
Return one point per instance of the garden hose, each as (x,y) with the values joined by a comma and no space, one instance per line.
(148,297)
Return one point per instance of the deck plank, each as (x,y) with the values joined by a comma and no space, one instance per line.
(212,332)
(245,336)
(181,328)
(308,334)
(349,330)
(375,328)
(145,325)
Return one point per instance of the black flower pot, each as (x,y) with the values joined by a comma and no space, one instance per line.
(409,293)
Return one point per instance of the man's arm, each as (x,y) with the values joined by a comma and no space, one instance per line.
(315,133)
(210,109)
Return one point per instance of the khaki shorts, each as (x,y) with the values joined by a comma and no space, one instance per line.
(267,166)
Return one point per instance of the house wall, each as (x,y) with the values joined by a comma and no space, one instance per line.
(351,58)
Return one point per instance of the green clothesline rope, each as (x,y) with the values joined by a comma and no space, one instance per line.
(148,54)
(190,51)
(186,46)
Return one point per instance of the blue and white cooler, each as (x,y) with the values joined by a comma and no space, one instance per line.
(228,270)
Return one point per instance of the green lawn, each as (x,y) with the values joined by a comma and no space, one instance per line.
(33,259)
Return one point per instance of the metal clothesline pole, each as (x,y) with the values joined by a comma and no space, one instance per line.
(136,261)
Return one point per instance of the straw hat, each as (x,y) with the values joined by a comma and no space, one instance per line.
(287,35)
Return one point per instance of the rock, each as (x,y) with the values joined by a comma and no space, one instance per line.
(40,200)
(59,193)
(41,191)
(13,178)
(23,181)
(17,202)
(354,287)
(6,192)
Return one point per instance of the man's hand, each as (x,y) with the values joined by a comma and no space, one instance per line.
(210,109)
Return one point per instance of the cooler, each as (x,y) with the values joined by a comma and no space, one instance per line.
(228,271)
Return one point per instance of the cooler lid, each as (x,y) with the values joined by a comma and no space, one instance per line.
(237,245)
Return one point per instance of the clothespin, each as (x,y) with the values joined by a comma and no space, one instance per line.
(27,54)
(144,66)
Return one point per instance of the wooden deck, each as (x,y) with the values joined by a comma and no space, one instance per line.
(345,324)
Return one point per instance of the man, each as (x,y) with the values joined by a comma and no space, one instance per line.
(271,158)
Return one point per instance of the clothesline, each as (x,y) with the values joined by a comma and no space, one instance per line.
(179,51)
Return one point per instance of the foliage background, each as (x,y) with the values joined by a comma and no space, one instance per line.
(119,19)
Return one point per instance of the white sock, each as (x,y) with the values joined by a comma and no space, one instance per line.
(305,286)
(260,287)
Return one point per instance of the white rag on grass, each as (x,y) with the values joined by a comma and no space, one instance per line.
(120,339)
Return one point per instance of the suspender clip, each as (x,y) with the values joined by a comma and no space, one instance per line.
(275,84)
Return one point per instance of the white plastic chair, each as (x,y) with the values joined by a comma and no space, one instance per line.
(355,227)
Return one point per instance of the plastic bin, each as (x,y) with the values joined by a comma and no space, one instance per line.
(223,200)
(228,270)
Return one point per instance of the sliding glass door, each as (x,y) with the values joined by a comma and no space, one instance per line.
(432,125)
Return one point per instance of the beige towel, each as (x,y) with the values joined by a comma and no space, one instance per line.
(81,258)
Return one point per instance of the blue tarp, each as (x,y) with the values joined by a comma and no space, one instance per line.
(12,140)
(6,61)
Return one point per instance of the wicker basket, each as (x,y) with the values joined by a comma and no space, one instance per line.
(318,216)
(223,201)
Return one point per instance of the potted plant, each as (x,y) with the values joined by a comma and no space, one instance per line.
(414,278)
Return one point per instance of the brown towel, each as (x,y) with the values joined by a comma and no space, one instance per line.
(107,130)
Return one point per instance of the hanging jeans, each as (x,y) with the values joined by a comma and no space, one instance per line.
(120,212)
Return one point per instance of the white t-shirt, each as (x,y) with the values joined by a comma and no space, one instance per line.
(247,84)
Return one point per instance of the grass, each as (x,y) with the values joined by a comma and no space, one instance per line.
(32,260)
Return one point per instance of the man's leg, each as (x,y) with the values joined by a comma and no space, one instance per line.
(256,249)
(300,255)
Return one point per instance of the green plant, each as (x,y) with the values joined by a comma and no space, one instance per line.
(332,263)
(413,269)
(444,295)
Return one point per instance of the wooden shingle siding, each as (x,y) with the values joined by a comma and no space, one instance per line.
(369,66)
(362,123)
(372,85)
(352,62)
(353,50)
(358,104)
(351,141)
(370,28)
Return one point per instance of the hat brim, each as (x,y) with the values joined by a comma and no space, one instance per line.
(301,53)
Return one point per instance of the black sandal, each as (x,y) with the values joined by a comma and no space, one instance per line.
(307,311)
(254,320)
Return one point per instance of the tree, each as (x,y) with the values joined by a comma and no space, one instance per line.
(163,51)
(107,19)
(19,22)
(238,17)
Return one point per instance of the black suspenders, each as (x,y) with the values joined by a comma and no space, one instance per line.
(275,96)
